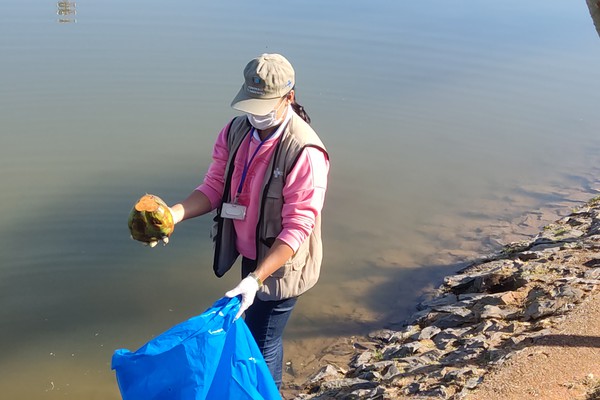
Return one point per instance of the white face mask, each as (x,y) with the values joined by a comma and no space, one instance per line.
(262,122)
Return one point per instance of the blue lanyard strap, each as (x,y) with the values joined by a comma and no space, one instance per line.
(247,163)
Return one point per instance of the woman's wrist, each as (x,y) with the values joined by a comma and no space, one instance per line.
(257,278)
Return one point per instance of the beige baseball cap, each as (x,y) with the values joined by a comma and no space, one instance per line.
(268,78)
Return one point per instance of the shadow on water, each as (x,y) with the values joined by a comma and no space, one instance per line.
(392,300)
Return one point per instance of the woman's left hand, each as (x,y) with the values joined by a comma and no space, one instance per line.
(247,288)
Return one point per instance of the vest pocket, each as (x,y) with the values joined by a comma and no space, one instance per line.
(294,264)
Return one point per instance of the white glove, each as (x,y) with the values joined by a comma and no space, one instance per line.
(247,288)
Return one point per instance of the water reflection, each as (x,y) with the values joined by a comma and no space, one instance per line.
(66,12)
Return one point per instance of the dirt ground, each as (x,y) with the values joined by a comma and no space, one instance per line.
(561,366)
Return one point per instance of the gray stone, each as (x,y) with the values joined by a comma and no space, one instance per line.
(461,356)
(349,384)
(473,382)
(408,332)
(395,351)
(456,281)
(370,376)
(418,317)
(366,394)
(496,312)
(362,358)
(328,372)
(391,372)
(428,332)
(445,320)
(592,273)
(413,388)
(407,349)
(460,311)
(528,255)
(445,300)
(571,293)
(541,308)
(383,334)
(462,375)
(475,342)
(438,391)
(375,367)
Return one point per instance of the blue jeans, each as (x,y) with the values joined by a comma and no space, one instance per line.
(267,320)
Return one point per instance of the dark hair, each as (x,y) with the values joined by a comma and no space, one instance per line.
(300,110)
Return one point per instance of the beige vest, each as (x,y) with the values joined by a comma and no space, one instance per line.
(302,270)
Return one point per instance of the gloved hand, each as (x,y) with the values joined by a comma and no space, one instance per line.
(247,288)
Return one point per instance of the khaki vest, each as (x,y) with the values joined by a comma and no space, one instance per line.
(302,270)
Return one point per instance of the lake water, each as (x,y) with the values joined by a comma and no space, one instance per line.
(452,127)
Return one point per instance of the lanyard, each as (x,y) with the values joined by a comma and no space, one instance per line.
(247,163)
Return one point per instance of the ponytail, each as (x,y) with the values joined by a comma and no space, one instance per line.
(298,109)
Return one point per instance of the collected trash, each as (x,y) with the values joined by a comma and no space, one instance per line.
(150,220)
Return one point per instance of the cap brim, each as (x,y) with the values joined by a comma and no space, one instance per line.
(245,103)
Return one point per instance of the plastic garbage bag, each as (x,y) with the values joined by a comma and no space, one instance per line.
(206,357)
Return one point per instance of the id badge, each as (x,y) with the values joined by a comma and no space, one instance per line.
(233,211)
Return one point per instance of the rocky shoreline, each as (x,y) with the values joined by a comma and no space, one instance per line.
(477,319)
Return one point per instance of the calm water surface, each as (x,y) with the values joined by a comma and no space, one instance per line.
(445,121)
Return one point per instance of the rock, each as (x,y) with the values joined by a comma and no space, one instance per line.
(405,334)
(445,320)
(445,300)
(571,294)
(408,349)
(463,375)
(449,336)
(328,372)
(462,312)
(370,376)
(362,358)
(514,297)
(541,308)
(428,332)
(366,394)
(461,356)
(593,273)
(383,335)
(496,312)
(473,382)
(528,255)
(439,392)
(350,384)
(413,388)
(391,372)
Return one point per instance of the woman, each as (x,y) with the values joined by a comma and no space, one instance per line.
(267,183)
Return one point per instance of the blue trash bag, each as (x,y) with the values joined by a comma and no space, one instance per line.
(209,356)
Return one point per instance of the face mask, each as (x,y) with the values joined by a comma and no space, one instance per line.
(262,122)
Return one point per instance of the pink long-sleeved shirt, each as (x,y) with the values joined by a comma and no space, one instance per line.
(303,193)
